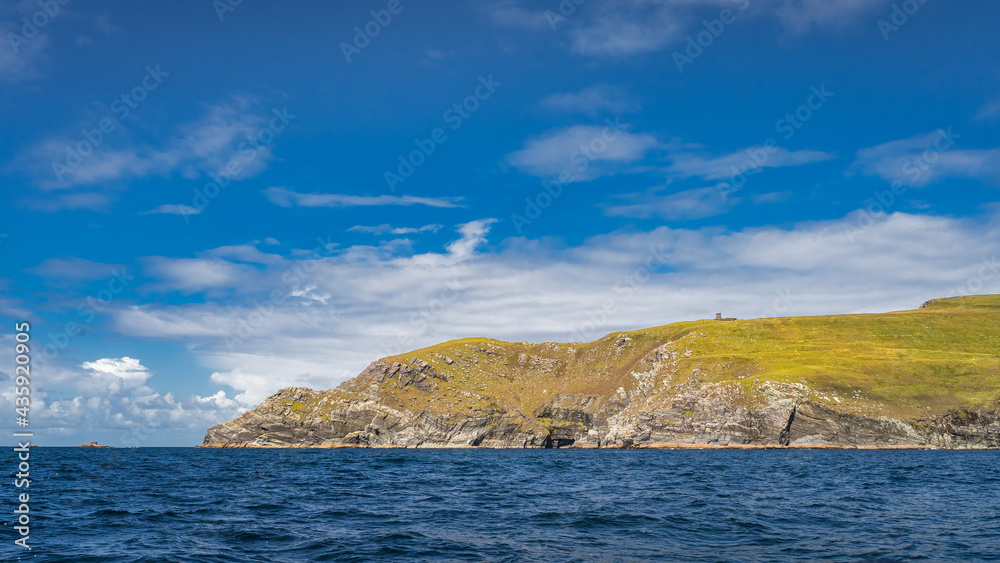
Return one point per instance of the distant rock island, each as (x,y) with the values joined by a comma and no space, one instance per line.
(92,445)
(923,378)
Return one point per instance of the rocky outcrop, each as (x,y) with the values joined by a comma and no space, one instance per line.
(355,415)
(92,445)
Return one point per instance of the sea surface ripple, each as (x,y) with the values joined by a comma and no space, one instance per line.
(178,505)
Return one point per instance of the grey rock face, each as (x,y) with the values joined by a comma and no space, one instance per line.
(360,414)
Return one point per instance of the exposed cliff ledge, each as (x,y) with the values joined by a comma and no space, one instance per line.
(925,378)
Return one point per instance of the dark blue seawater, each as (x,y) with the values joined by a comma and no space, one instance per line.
(535,505)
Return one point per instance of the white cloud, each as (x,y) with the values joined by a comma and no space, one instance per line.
(288,198)
(386,228)
(688,204)
(528,290)
(688,164)
(591,101)
(109,401)
(925,159)
(71,268)
(615,28)
(508,14)
(803,15)
(989,111)
(771,197)
(111,375)
(95,201)
(192,275)
(628,27)
(21,65)
(583,152)
(243,253)
(196,149)
(170,209)
(473,235)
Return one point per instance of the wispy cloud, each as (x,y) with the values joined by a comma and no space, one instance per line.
(195,149)
(508,13)
(684,205)
(386,228)
(989,112)
(592,101)
(614,28)
(690,164)
(287,198)
(583,152)
(21,65)
(72,268)
(925,159)
(214,275)
(803,15)
(628,27)
(171,209)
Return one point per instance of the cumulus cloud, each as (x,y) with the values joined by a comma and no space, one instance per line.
(288,198)
(109,400)
(114,374)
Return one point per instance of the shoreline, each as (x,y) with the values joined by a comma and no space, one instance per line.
(668,446)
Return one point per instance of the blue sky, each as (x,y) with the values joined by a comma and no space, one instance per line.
(204,203)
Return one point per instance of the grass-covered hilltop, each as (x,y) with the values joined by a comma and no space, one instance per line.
(927,377)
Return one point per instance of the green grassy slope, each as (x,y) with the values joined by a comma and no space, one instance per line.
(903,364)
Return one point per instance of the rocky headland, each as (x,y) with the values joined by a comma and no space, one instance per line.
(923,378)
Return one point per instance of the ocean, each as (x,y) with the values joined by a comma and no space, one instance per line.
(173,504)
